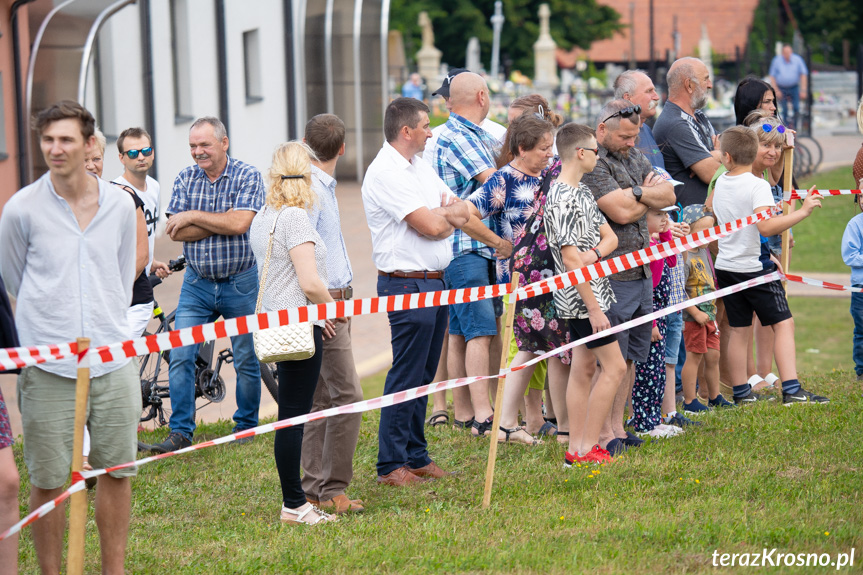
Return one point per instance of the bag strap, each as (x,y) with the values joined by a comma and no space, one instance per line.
(266,264)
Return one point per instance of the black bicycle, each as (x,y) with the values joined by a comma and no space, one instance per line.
(208,383)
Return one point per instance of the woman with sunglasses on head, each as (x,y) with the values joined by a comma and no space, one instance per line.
(294,258)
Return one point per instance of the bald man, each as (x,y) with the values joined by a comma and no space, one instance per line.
(683,133)
(464,159)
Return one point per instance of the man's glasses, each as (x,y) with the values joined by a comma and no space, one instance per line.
(594,150)
(768,128)
(624,113)
(148,151)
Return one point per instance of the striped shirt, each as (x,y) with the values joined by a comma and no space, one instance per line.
(240,187)
(325,219)
(463,151)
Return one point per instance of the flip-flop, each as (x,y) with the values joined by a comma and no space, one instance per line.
(438,418)
(513,431)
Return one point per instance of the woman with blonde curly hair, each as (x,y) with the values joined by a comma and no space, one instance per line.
(296,276)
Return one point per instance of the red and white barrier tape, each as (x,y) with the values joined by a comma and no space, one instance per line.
(800,194)
(822,284)
(12,358)
(378,402)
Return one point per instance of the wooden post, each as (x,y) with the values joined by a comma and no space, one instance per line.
(498,399)
(787,208)
(78,501)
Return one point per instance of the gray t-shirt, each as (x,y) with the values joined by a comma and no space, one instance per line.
(283,290)
(684,140)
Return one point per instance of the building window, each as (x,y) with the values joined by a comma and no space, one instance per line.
(181,61)
(252,63)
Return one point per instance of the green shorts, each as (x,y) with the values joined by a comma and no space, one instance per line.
(47,405)
(537,379)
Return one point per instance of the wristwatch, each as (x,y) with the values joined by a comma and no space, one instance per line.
(598,254)
(636,191)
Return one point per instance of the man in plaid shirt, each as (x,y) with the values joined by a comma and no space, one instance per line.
(464,159)
(211,209)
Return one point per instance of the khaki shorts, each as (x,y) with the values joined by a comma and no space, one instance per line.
(47,405)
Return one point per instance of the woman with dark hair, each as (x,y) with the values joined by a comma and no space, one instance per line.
(753,94)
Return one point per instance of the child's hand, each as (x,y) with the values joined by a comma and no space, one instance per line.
(654,335)
(812,201)
(700,317)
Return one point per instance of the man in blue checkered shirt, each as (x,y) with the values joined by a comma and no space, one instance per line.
(464,159)
(211,209)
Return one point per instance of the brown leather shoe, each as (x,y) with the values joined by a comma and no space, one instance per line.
(400,477)
(313,501)
(340,504)
(432,470)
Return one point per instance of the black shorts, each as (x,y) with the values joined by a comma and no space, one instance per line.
(768,300)
(579,328)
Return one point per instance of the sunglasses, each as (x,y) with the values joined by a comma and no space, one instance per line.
(148,151)
(624,113)
(768,128)
(594,150)
(540,113)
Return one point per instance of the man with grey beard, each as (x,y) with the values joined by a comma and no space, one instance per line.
(684,134)
(638,88)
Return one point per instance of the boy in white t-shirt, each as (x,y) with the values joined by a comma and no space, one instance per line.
(738,194)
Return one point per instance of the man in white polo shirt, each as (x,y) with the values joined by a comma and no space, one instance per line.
(411,214)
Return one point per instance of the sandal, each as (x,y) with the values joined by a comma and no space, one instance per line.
(438,418)
(510,432)
(482,427)
(548,429)
(300,516)
(560,435)
(462,424)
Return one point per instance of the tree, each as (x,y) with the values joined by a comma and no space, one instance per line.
(573,23)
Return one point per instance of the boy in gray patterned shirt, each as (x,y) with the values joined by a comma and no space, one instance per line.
(579,235)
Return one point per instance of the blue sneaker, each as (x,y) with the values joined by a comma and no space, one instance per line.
(695,407)
(680,420)
(720,401)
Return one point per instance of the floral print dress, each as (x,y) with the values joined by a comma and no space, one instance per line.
(536,326)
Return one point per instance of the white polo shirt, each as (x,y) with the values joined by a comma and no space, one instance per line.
(392,189)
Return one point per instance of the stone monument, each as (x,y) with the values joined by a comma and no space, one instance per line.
(544,58)
(497,24)
(473,62)
(428,57)
(705,50)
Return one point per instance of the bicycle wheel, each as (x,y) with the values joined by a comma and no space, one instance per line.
(816,153)
(154,386)
(802,161)
(270,377)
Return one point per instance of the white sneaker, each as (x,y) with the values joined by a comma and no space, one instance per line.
(657,432)
(671,429)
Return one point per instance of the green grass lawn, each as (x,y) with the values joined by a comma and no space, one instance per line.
(818,238)
(749,479)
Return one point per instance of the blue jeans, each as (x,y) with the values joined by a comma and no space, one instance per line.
(857,314)
(790,95)
(202,301)
(417,337)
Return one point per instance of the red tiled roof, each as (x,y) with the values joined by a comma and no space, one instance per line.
(727,23)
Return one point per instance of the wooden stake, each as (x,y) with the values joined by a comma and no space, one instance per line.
(498,399)
(787,208)
(78,501)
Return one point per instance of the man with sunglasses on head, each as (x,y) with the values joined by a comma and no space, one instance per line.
(625,187)
(137,156)
(684,134)
(211,209)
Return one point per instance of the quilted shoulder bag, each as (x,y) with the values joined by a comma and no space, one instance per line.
(291,342)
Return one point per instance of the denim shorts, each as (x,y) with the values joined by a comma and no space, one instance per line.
(474,319)
(673,336)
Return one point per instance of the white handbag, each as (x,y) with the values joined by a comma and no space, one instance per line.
(291,342)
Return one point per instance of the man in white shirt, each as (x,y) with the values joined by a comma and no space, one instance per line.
(137,156)
(67,253)
(411,214)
